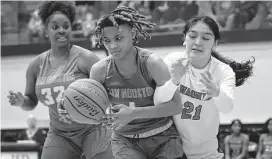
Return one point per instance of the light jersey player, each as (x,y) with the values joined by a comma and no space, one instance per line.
(265,141)
(206,82)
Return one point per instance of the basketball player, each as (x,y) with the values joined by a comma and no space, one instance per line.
(236,144)
(265,142)
(206,87)
(131,74)
(48,75)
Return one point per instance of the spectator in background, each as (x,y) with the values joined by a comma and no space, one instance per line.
(32,132)
(265,141)
(236,144)
(35,27)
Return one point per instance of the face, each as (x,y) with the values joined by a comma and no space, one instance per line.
(199,41)
(59,30)
(118,42)
(32,122)
(236,127)
(269,126)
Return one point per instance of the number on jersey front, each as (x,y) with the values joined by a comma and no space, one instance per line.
(48,94)
(187,111)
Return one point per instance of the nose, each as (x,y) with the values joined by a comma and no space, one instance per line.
(61,30)
(198,41)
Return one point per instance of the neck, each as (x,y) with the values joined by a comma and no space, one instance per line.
(60,51)
(236,134)
(200,63)
(128,60)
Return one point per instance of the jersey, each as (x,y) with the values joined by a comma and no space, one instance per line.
(52,82)
(267,147)
(198,123)
(138,89)
(236,145)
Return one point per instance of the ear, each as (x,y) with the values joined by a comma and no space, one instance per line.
(215,45)
(45,32)
(133,33)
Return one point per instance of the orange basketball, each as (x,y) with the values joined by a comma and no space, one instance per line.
(86,101)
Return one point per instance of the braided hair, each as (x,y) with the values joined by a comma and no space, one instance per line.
(123,15)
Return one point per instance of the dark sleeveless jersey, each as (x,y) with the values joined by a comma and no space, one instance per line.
(52,82)
(138,89)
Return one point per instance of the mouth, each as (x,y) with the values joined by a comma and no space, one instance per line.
(62,39)
(194,49)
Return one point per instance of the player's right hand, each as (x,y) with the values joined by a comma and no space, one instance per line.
(178,69)
(63,114)
(16,99)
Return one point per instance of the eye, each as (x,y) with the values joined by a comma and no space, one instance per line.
(192,36)
(106,41)
(55,27)
(66,26)
(118,38)
(205,38)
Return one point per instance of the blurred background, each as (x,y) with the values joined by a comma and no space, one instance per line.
(246,30)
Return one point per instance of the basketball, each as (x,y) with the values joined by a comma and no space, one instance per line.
(86,101)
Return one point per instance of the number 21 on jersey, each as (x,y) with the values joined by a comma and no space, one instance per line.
(49,100)
(188,111)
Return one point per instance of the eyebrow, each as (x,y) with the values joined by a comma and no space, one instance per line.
(103,37)
(203,32)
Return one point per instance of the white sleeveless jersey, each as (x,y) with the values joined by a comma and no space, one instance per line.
(198,123)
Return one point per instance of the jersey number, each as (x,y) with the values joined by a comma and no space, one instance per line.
(188,109)
(48,94)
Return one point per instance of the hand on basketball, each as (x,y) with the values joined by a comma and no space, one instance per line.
(63,114)
(16,99)
(212,86)
(123,116)
(178,69)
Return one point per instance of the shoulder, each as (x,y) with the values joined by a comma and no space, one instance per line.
(222,69)
(263,136)
(245,136)
(85,54)
(99,69)
(34,64)
(227,138)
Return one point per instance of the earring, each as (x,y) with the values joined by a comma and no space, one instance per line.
(184,44)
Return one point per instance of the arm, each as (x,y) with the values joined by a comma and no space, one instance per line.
(260,149)
(30,98)
(227,149)
(159,72)
(87,60)
(165,93)
(245,148)
(225,100)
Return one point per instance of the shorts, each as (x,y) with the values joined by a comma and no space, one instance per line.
(89,142)
(165,145)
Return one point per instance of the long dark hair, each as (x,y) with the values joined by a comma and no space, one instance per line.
(240,123)
(242,70)
(265,127)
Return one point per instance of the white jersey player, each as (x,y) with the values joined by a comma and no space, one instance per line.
(206,82)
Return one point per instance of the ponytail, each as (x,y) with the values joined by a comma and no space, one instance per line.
(242,70)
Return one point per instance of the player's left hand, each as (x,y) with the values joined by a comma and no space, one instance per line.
(123,116)
(212,87)
(63,114)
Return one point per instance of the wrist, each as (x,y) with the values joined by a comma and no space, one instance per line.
(175,81)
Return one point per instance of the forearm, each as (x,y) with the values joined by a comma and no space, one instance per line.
(28,104)
(165,92)
(161,110)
